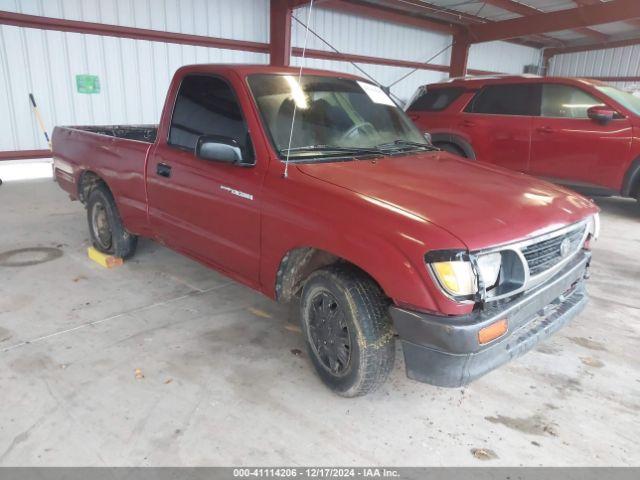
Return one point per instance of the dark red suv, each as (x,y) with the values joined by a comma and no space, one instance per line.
(580,133)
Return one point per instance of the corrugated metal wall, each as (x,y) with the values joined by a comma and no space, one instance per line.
(613,62)
(502,57)
(134,74)
(365,36)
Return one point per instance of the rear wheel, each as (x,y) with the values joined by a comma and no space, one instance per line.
(451,148)
(347,329)
(108,235)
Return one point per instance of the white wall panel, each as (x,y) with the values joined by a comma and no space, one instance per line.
(613,62)
(365,36)
(503,57)
(237,19)
(134,74)
(375,38)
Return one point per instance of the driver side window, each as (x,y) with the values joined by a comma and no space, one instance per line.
(564,101)
(206,105)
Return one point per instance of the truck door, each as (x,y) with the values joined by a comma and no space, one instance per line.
(207,209)
(570,148)
(497,121)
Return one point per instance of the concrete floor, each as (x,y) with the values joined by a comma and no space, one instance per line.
(221,379)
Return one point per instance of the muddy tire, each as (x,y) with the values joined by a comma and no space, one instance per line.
(105,226)
(347,328)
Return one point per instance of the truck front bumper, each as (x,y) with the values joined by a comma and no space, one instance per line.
(445,351)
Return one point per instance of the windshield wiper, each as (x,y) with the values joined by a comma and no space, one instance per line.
(406,143)
(334,148)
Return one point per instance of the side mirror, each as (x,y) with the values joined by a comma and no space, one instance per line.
(601,114)
(219,149)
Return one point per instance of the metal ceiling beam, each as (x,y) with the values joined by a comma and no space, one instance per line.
(389,15)
(62,25)
(525,10)
(625,42)
(24,154)
(380,12)
(613,11)
(349,57)
(448,14)
(582,3)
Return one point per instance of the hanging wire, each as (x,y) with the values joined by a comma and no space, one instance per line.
(361,70)
(355,65)
(416,69)
(293,117)
(484,4)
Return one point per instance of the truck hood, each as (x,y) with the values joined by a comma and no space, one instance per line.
(482,205)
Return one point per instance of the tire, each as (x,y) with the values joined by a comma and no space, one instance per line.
(451,148)
(343,311)
(108,235)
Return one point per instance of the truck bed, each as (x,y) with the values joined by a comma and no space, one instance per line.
(115,153)
(141,133)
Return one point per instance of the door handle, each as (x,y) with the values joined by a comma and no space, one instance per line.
(468,123)
(163,170)
(545,129)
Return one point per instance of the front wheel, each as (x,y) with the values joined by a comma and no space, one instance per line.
(346,325)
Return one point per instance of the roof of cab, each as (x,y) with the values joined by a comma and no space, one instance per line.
(244,69)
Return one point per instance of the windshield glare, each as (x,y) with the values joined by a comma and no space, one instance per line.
(329,111)
(626,99)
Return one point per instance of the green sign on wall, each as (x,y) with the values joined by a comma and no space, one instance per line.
(88,83)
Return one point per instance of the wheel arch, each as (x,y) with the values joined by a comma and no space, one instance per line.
(87,181)
(456,140)
(298,263)
(631,182)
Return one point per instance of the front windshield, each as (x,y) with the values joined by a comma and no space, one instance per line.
(332,115)
(625,99)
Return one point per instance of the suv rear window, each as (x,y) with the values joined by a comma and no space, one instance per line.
(515,99)
(435,100)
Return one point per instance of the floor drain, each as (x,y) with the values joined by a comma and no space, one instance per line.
(25,257)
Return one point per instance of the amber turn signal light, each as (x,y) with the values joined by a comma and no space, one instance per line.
(493,331)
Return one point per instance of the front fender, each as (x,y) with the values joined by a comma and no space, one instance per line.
(387,246)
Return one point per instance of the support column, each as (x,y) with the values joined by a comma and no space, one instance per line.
(280,33)
(459,55)
(546,61)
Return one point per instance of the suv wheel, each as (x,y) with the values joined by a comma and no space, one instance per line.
(451,148)
(347,330)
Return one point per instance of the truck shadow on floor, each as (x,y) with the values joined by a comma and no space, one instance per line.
(622,207)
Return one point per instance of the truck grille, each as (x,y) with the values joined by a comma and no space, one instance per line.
(542,256)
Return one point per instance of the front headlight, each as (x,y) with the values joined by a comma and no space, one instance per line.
(456,277)
(458,273)
(489,268)
(453,272)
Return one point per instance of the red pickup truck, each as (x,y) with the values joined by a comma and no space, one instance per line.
(350,212)
(580,133)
